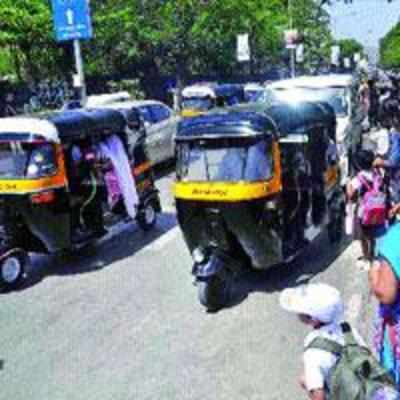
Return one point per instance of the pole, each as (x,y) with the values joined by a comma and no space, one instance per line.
(292,50)
(293,62)
(80,71)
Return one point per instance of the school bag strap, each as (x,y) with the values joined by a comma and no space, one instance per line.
(325,344)
(348,334)
(331,346)
(376,183)
(364,181)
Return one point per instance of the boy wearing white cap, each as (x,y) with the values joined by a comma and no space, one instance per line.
(320,306)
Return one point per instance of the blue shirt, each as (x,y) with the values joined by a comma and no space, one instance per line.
(394,150)
(393,163)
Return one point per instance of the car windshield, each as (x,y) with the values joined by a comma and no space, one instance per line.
(197,103)
(335,97)
(231,161)
(26,160)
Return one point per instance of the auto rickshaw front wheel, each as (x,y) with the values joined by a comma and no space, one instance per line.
(12,270)
(214,293)
(147,216)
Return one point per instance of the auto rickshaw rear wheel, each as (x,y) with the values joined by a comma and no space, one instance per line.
(147,216)
(12,271)
(214,293)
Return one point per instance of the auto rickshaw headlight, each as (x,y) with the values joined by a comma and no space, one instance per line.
(198,255)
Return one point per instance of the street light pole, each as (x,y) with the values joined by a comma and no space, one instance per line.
(293,48)
(80,71)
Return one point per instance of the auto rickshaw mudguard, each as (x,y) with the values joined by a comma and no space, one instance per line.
(50,223)
(235,228)
(256,231)
(213,265)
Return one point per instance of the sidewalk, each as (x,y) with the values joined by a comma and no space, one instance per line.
(359,302)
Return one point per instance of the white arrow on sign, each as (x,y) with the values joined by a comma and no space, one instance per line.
(70,16)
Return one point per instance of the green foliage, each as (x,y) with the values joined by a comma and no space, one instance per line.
(349,47)
(150,37)
(390,48)
(26,31)
(312,21)
(6,64)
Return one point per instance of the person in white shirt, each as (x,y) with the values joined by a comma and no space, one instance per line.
(319,306)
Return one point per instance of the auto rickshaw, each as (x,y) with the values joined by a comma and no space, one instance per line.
(201,98)
(55,187)
(252,190)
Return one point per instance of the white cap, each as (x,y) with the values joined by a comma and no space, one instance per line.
(318,300)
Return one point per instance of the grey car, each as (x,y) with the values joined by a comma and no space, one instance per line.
(160,124)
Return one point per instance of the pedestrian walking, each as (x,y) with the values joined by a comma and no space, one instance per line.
(333,351)
(391,164)
(366,189)
(363,96)
(384,279)
(373,103)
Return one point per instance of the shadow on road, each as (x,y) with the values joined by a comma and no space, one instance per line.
(316,259)
(124,243)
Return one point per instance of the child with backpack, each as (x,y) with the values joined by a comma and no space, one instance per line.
(337,365)
(367,190)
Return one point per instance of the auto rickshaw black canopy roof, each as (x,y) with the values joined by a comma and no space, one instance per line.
(225,125)
(299,118)
(81,124)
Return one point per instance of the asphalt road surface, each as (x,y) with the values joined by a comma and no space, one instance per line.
(122,322)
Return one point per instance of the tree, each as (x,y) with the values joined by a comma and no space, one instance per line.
(390,48)
(312,21)
(26,31)
(153,37)
(349,47)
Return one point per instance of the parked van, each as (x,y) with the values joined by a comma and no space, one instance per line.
(341,93)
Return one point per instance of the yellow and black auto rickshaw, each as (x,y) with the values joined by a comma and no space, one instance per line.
(252,189)
(59,190)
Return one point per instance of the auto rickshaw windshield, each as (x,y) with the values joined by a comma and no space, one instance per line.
(230,160)
(26,160)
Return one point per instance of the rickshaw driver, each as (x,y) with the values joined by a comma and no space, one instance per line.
(232,165)
(237,166)
(89,213)
(295,198)
(259,165)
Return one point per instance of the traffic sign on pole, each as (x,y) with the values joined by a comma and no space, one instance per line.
(72,19)
(335,55)
(243,47)
(300,53)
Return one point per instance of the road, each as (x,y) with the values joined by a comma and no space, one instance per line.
(122,322)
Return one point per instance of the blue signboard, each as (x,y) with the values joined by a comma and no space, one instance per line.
(72,19)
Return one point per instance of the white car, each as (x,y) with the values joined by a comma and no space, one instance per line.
(99,100)
(340,92)
(160,123)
